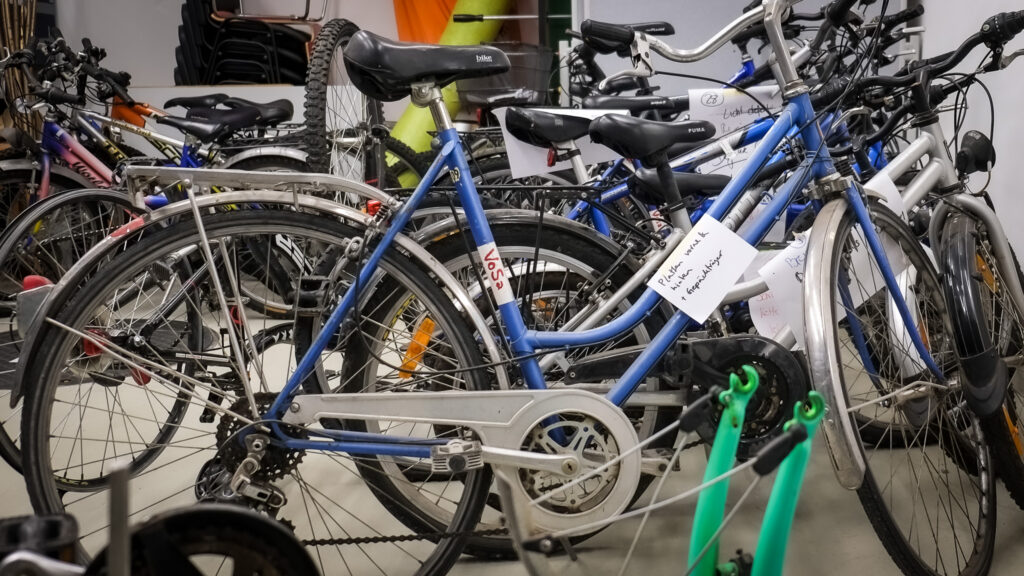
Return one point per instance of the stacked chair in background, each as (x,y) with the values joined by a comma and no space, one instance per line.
(215,47)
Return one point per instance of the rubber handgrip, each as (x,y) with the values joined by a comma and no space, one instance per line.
(606,31)
(903,16)
(836,11)
(467,18)
(58,96)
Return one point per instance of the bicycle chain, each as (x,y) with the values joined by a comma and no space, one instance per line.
(402,537)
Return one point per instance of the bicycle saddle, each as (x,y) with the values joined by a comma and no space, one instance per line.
(205,131)
(646,140)
(544,128)
(204,101)
(638,104)
(646,186)
(271,113)
(234,119)
(385,69)
(606,46)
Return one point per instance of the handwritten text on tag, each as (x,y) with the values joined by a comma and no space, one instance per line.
(700,271)
(731,110)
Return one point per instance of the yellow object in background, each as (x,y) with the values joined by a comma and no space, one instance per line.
(415,124)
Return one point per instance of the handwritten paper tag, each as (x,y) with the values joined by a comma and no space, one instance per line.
(700,271)
(529,160)
(783,303)
(731,110)
(882,187)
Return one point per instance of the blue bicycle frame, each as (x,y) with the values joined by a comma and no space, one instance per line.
(798,114)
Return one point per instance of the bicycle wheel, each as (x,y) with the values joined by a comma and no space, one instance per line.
(989,326)
(18,189)
(45,240)
(928,490)
(338,117)
(213,539)
(345,522)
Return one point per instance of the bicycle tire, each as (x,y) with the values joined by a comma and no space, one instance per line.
(76,308)
(940,428)
(320,109)
(13,261)
(985,316)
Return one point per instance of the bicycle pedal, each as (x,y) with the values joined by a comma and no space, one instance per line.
(654,461)
(456,456)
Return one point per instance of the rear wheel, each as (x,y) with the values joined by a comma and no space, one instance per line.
(89,407)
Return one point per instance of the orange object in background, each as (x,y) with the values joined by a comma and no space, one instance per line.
(133,114)
(422,20)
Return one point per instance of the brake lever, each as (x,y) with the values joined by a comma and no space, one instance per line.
(1006,60)
(640,54)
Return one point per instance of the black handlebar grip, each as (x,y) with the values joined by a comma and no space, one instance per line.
(58,96)
(1001,28)
(605,31)
(830,91)
(467,17)
(903,16)
(837,10)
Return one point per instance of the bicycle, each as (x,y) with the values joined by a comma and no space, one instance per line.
(443,349)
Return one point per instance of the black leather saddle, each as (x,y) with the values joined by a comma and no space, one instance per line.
(646,186)
(271,113)
(204,101)
(607,46)
(646,140)
(639,104)
(235,119)
(385,69)
(206,132)
(200,107)
(544,128)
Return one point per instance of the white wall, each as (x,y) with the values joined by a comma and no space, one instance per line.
(948,23)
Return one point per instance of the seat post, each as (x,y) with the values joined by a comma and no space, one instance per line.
(428,95)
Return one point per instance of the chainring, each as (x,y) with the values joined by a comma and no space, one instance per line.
(783,382)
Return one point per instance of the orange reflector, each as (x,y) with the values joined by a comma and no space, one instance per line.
(414,353)
(1014,432)
(986,273)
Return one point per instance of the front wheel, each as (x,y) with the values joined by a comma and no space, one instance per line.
(990,338)
(929,487)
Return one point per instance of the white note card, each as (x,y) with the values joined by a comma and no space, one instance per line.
(730,110)
(783,303)
(700,271)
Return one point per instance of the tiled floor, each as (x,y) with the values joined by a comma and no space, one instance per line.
(831,535)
